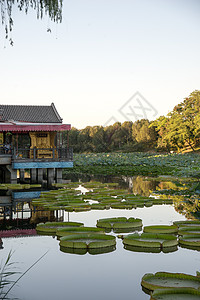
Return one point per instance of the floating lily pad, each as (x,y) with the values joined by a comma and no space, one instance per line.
(119,223)
(187,223)
(78,230)
(189,241)
(162,280)
(87,241)
(93,251)
(176,294)
(149,240)
(189,230)
(161,229)
(52,227)
(150,249)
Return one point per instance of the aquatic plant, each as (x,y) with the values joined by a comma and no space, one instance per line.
(162,280)
(175,293)
(161,229)
(190,241)
(6,274)
(88,241)
(149,240)
(52,227)
(78,230)
(119,223)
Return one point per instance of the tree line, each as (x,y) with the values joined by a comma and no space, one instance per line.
(179,130)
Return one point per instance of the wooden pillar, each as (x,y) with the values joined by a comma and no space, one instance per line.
(50,176)
(39,175)
(33,175)
(59,175)
(13,176)
(10,174)
(21,175)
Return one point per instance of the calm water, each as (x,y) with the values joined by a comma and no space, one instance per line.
(115,275)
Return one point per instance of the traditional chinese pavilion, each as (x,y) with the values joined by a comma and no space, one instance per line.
(31,137)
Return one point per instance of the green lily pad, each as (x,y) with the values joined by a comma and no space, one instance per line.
(161,280)
(78,230)
(87,241)
(189,230)
(176,294)
(149,240)
(187,223)
(93,251)
(119,223)
(52,227)
(161,229)
(190,241)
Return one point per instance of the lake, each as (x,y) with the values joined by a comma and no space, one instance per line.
(114,275)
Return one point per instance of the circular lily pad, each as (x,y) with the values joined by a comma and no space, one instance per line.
(92,251)
(119,223)
(187,223)
(190,241)
(52,227)
(189,230)
(78,230)
(176,294)
(149,240)
(161,280)
(161,229)
(87,241)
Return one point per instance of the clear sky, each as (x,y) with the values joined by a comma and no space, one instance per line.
(102,54)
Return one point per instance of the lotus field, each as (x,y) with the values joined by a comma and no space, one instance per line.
(137,163)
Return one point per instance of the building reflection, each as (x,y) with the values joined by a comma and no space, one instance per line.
(17,212)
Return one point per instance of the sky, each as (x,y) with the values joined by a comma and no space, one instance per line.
(108,61)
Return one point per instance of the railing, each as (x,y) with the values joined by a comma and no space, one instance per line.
(43,153)
(5,149)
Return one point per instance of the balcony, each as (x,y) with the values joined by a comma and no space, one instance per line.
(42,154)
(30,158)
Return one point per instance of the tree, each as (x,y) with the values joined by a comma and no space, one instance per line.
(181,128)
(52,8)
(142,132)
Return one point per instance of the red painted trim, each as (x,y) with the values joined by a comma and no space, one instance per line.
(17,128)
(17,232)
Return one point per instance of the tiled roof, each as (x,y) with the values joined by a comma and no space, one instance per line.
(30,113)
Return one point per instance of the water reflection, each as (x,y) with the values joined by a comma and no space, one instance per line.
(90,251)
(150,249)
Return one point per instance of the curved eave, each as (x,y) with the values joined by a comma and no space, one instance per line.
(21,128)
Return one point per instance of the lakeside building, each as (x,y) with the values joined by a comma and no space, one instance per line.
(31,138)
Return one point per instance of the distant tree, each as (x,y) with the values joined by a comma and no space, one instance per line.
(161,126)
(126,128)
(99,139)
(52,8)
(73,140)
(143,133)
(85,140)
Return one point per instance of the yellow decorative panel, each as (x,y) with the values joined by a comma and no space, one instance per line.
(1,138)
(43,142)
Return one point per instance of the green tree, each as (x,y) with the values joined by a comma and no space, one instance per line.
(73,140)
(144,134)
(181,128)
(85,140)
(98,139)
(52,8)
